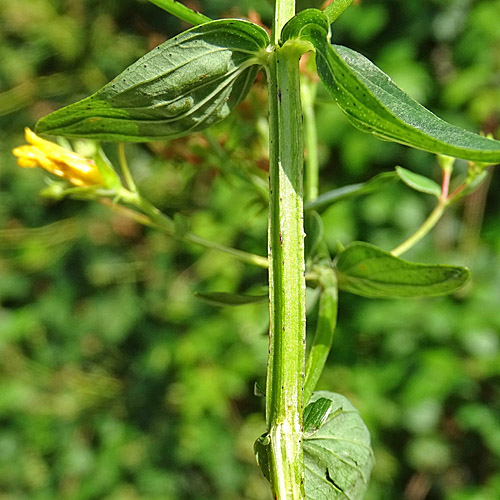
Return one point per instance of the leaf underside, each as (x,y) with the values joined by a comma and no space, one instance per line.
(338,457)
(373,103)
(184,85)
(366,270)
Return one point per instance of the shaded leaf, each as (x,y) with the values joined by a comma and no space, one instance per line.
(186,84)
(418,182)
(313,226)
(261,450)
(325,328)
(366,270)
(230,299)
(111,178)
(377,183)
(338,457)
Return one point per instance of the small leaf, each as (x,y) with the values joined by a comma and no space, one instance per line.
(366,270)
(315,415)
(475,183)
(181,11)
(325,328)
(336,7)
(186,84)
(261,450)
(111,178)
(230,299)
(419,182)
(314,232)
(338,457)
(373,103)
(377,183)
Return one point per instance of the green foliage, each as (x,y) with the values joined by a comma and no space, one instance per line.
(373,103)
(338,456)
(184,85)
(369,271)
(419,182)
(159,403)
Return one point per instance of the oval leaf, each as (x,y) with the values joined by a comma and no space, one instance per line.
(186,84)
(338,457)
(230,299)
(418,182)
(366,270)
(373,103)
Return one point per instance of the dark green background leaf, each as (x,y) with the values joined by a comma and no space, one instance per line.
(230,299)
(338,457)
(186,84)
(377,183)
(369,271)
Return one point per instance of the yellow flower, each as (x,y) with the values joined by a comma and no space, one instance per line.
(73,167)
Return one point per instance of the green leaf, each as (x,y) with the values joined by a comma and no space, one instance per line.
(261,449)
(184,85)
(377,183)
(333,11)
(315,415)
(366,270)
(111,178)
(314,232)
(373,103)
(325,328)
(230,299)
(419,182)
(338,457)
(181,11)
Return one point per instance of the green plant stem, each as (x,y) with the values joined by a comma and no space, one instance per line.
(423,230)
(247,257)
(308,94)
(283,12)
(129,180)
(286,362)
(181,11)
(152,217)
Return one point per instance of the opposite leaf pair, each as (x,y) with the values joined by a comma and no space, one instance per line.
(198,77)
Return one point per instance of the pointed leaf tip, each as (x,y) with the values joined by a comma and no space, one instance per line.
(184,85)
(366,270)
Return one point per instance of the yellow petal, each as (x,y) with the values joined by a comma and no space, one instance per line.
(57,160)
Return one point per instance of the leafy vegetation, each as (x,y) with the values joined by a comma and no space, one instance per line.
(119,383)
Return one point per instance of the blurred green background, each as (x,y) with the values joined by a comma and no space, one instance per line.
(117,383)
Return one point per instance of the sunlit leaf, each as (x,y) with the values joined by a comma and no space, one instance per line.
(186,84)
(315,415)
(373,103)
(338,457)
(366,270)
(419,182)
